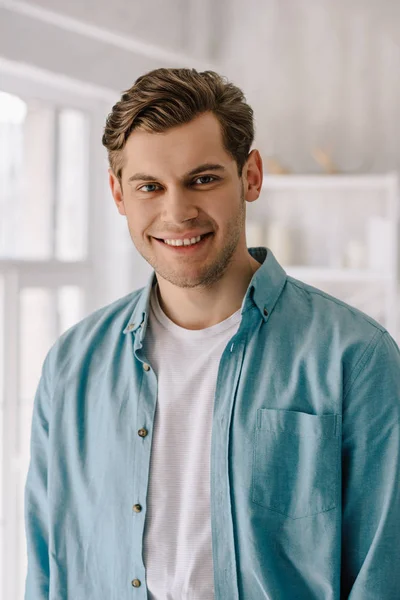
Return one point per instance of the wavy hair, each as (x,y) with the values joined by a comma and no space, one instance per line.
(165,98)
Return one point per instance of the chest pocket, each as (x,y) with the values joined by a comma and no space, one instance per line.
(296,462)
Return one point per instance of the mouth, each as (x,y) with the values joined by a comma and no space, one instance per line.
(187,249)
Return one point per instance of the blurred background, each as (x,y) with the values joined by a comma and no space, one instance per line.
(323,79)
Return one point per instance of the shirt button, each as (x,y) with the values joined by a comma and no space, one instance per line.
(143,432)
(130,327)
(146,367)
(136,583)
(137,507)
(265,312)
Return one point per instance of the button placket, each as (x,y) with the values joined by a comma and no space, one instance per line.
(137,508)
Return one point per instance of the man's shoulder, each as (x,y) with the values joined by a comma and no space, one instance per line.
(104,325)
(338,330)
(330,312)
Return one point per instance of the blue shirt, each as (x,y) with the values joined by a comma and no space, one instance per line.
(305,453)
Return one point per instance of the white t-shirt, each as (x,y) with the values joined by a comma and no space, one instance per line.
(177,550)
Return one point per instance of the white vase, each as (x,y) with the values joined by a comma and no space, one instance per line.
(379,236)
(278,238)
(355,255)
(254,233)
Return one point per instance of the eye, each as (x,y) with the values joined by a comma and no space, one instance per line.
(151,185)
(206,177)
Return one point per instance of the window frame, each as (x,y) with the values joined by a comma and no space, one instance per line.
(51,274)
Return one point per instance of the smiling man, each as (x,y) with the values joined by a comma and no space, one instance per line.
(226,432)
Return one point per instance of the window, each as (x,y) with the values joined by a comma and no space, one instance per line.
(44,268)
(43,174)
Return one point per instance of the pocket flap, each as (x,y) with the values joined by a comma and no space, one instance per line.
(299,423)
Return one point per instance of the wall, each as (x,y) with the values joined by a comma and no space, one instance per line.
(107,43)
(319,73)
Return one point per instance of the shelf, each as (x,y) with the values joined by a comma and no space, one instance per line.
(351,199)
(326,274)
(328,182)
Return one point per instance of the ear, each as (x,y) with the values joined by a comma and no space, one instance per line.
(253,176)
(116,191)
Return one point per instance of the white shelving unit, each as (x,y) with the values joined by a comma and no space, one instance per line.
(338,233)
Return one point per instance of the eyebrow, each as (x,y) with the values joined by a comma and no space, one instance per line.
(195,171)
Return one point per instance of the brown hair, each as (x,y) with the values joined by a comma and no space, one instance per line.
(165,98)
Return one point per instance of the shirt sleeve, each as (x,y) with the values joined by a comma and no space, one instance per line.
(35,497)
(371,475)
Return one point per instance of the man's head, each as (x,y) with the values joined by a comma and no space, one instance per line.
(159,137)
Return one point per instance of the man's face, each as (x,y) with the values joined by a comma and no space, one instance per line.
(161,200)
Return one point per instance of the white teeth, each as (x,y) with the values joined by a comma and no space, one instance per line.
(185,242)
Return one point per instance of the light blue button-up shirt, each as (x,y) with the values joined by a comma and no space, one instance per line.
(305,453)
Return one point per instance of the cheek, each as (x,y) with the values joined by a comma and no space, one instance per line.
(226,211)
(137,222)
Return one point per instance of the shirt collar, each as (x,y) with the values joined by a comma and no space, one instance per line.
(264,290)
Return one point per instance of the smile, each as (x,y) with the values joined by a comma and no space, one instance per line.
(189,248)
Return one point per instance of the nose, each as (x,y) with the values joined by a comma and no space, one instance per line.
(178,206)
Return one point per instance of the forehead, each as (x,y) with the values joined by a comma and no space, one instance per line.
(178,149)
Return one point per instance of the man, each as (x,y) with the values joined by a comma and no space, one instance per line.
(226,431)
